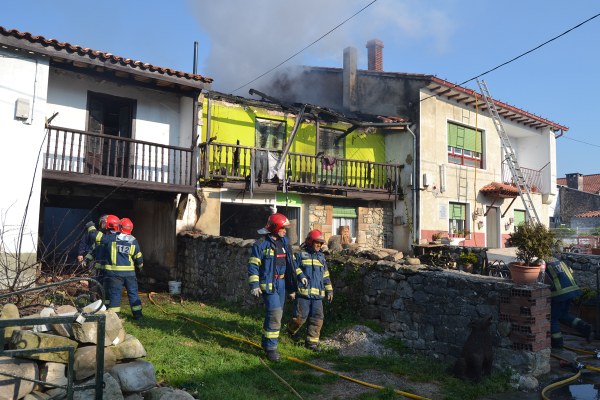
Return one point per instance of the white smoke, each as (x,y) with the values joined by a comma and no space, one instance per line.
(248,38)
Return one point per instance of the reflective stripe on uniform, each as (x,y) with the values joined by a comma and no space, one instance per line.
(312,262)
(119,268)
(253,278)
(115,309)
(268,252)
(255,261)
(312,339)
(329,288)
(271,334)
(303,291)
(298,271)
(263,286)
(136,308)
(326,274)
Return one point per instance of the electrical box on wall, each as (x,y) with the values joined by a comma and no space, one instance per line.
(22,109)
(426,180)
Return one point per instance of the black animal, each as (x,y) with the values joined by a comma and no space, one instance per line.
(477,354)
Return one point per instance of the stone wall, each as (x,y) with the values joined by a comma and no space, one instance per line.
(585,268)
(428,309)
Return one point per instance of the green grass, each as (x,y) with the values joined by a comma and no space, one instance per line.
(210,365)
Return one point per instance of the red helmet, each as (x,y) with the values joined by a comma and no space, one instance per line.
(126,226)
(314,236)
(112,223)
(276,222)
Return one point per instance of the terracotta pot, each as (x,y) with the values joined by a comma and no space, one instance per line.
(524,274)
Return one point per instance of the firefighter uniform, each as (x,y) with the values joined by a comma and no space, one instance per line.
(123,257)
(96,259)
(564,289)
(270,261)
(310,264)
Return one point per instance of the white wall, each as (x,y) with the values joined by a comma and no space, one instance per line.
(158,116)
(21,76)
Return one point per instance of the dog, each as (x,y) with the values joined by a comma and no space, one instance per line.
(477,354)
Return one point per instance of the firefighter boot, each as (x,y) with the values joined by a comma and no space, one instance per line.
(585,329)
(556,341)
(273,355)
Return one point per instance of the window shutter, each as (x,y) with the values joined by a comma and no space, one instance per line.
(344,212)
(464,138)
(457,211)
(519,217)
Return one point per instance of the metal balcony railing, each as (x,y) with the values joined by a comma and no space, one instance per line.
(532,177)
(228,162)
(80,152)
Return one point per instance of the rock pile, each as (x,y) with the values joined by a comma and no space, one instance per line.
(127,375)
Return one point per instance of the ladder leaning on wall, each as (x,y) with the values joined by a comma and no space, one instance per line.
(510,156)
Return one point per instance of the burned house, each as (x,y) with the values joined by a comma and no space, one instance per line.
(323,169)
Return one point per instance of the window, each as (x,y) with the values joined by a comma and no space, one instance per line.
(520,218)
(465,146)
(329,143)
(270,134)
(457,222)
(345,216)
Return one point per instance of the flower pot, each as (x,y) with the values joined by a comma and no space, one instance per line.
(524,274)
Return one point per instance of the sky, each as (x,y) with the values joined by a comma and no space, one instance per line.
(455,40)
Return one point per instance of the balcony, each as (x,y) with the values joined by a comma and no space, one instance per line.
(235,166)
(93,158)
(532,177)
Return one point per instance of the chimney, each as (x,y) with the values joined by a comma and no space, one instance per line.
(375,55)
(575,181)
(349,99)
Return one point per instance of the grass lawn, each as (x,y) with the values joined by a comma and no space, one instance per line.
(193,347)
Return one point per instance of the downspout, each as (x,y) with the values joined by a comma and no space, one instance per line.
(416,222)
(195,153)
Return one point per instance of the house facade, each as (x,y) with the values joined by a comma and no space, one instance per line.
(322,169)
(455,179)
(91,133)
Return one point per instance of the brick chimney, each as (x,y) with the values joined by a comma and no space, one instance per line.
(375,55)
(575,181)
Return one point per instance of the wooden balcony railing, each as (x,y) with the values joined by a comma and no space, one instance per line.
(227,162)
(79,152)
(532,177)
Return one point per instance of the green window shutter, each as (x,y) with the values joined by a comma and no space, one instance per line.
(457,211)
(519,217)
(344,212)
(464,138)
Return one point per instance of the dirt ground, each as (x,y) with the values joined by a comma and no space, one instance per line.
(345,389)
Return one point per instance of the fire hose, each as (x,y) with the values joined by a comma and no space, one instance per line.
(293,359)
(576,365)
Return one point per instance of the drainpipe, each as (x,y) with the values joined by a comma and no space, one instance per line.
(416,222)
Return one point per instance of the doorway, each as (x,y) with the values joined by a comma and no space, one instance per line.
(109,115)
(492,231)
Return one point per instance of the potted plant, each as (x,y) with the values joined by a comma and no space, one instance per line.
(534,242)
(437,237)
(466,261)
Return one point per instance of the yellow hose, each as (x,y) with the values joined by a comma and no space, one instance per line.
(405,394)
(294,359)
(558,384)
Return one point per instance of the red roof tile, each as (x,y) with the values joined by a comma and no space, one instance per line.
(588,214)
(500,189)
(100,55)
(591,183)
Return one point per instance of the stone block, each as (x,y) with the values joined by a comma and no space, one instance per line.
(85,361)
(16,388)
(9,311)
(135,376)
(130,348)
(33,340)
(54,373)
(88,331)
(111,390)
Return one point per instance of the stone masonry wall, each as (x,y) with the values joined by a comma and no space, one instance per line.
(428,309)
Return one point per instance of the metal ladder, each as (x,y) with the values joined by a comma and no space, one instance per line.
(509,155)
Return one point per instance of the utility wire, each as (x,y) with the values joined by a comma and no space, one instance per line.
(580,141)
(305,47)
(520,55)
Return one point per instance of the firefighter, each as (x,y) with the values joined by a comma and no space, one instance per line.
(124,256)
(96,256)
(271,260)
(309,298)
(88,240)
(563,289)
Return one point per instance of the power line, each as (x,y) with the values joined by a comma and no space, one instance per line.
(520,55)
(581,141)
(305,47)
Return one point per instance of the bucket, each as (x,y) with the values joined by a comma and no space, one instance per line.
(174,287)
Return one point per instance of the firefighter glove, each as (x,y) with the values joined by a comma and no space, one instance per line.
(330,297)
(304,281)
(293,297)
(256,292)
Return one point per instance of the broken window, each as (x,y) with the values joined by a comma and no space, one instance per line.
(270,134)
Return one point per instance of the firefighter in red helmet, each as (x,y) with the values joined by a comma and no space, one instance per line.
(270,261)
(124,257)
(308,302)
